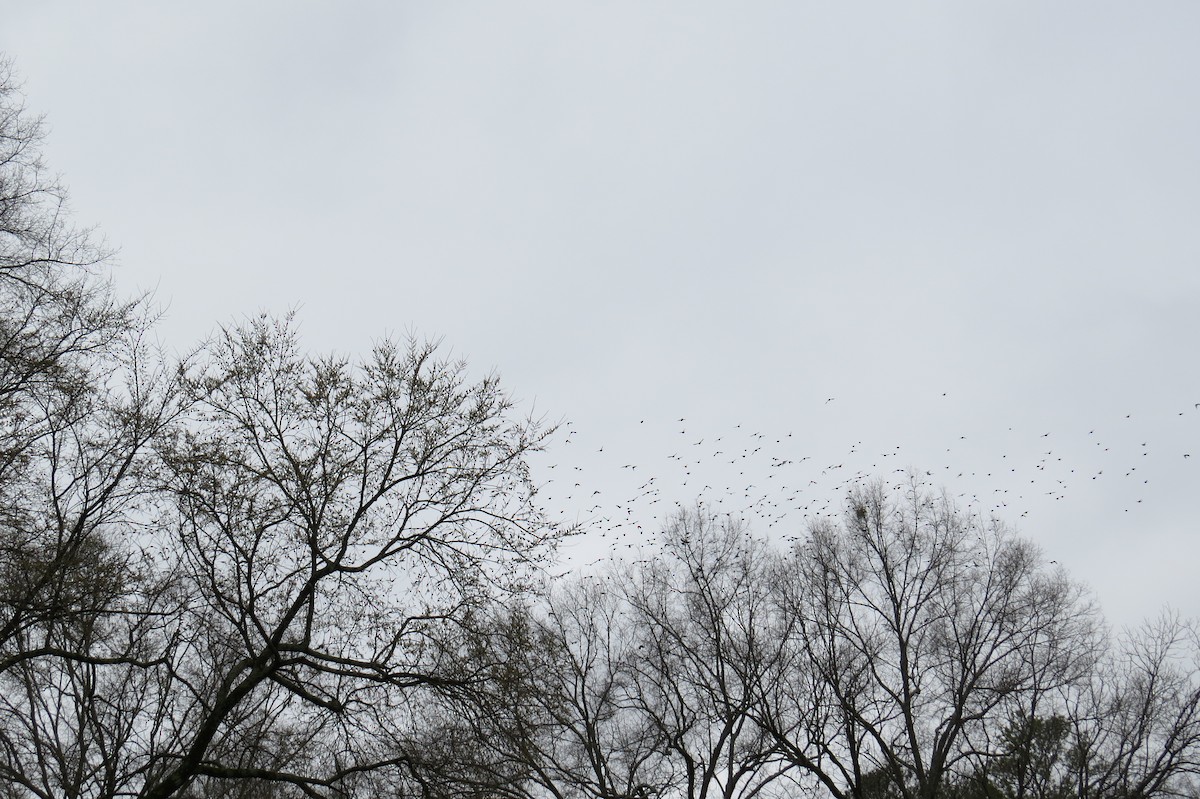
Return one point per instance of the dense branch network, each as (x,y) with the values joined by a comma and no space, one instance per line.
(257,572)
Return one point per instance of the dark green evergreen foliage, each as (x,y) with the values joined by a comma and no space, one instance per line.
(878,784)
(1033,761)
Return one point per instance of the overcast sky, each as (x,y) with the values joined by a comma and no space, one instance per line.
(963,235)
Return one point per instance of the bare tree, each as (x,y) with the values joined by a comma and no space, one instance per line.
(555,713)
(706,640)
(1136,722)
(917,630)
(36,234)
(81,398)
(79,394)
(336,526)
(253,569)
(611,748)
(911,651)
(637,682)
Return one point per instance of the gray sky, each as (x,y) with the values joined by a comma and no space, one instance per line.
(971,225)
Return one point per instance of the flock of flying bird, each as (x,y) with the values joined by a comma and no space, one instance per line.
(766,479)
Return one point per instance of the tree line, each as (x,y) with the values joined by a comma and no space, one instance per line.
(908,651)
(257,572)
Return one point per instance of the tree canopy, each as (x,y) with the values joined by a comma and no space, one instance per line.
(259,572)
